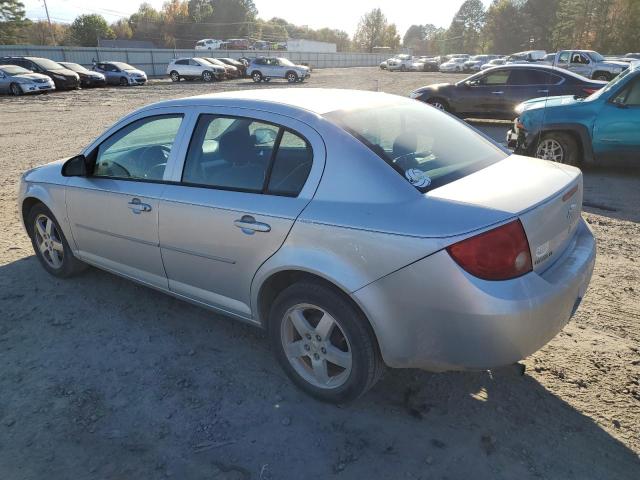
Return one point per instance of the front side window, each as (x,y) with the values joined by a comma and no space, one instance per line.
(629,96)
(138,151)
(237,153)
(426,147)
(495,78)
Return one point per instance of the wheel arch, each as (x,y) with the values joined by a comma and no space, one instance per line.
(577,131)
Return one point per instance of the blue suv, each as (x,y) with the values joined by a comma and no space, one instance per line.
(602,128)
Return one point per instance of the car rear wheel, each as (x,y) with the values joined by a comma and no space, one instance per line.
(403,68)
(438,103)
(292,77)
(558,147)
(50,244)
(257,77)
(15,89)
(175,76)
(324,343)
(602,76)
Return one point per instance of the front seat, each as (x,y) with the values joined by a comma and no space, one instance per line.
(242,172)
(404,146)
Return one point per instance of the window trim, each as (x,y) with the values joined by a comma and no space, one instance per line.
(92,156)
(276,146)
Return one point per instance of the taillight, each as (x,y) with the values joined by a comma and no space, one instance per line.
(589,91)
(499,254)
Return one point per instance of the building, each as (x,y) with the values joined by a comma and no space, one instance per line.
(302,45)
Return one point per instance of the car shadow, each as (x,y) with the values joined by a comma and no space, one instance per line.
(613,193)
(102,378)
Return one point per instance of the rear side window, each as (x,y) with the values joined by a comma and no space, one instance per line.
(525,76)
(182,62)
(243,154)
(428,148)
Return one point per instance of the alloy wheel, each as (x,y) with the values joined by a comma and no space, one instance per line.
(292,77)
(550,149)
(15,89)
(437,105)
(49,241)
(175,76)
(316,346)
(206,76)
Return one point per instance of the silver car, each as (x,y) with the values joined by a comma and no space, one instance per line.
(265,68)
(194,68)
(120,73)
(17,81)
(360,229)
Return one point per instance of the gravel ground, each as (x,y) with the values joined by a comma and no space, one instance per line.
(101,378)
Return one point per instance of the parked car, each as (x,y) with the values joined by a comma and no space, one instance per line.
(208,44)
(424,64)
(194,68)
(88,78)
(63,78)
(529,56)
(496,62)
(602,128)
(475,63)
(400,62)
(237,44)
(633,56)
(240,65)
(266,68)
(589,64)
(120,73)
(230,71)
(456,64)
(17,81)
(494,93)
(258,204)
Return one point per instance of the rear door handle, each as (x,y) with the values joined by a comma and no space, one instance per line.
(138,207)
(543,91)
(249,225)
(498,93)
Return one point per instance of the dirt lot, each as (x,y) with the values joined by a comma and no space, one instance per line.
(101,378)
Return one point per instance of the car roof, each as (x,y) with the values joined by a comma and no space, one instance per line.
(316,100)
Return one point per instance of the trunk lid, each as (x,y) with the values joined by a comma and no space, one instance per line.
(545,196)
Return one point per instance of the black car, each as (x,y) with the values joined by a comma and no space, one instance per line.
(63,78)
(87,77)
(242,68)
(495,92)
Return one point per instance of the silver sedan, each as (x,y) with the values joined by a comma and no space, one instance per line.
(359,229)
(18,81)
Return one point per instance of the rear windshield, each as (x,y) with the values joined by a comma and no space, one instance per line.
(427,147)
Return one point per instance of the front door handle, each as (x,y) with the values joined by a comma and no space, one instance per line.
(249,225)
(138,207)
(498,93)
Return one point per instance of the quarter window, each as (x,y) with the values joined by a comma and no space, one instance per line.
(236,153)
(138,151)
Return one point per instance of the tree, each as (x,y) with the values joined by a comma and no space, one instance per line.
(503,30)
(121,29)
(372,31)
(466,27)
(12,20)
(87,29)
(40,33)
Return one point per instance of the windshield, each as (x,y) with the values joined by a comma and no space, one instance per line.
(123,66)
(286,62)
(427,147)
(47,64)
(75,67)
(14,70)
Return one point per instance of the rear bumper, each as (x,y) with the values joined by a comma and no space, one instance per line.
(435,316)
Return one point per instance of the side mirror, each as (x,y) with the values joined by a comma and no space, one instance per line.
(75,167)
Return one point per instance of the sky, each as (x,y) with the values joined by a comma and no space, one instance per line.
(341,14)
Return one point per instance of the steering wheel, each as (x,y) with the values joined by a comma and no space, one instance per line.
(408,160)
(153,158)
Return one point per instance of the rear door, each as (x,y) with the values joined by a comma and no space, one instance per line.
(580,63)
(527,83)
(245,178)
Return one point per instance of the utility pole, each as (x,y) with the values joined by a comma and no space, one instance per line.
(46,9)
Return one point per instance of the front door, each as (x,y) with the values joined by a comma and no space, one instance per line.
(485,95)
(113,213)
(616,137)
(246,177)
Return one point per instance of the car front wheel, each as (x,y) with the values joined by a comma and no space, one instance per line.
(324,343)
(124,82)
(175,76)
(257,77)
(558,147)
(50,244)
(15,89)
(292,77)
(207,76)
(438,103)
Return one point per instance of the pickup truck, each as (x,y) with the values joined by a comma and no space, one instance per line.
(589,64)
(602,128)
(401,62)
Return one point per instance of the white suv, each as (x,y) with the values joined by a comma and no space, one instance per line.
(208,44)
(194,68)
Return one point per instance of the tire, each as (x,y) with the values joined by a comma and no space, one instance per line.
(175,76)
(602,76)
(350,337)
(256,76)
(124,82)
(66,264)
(403,68)
(292,77)
(558,147)
(207,76)
(16,91)
(438,103)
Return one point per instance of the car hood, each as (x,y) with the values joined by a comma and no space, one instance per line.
(614,63)
(64,71)
(543,102)
(136,72)
(436,87)
(31,76)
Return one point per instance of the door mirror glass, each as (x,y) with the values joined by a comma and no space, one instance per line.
(75,167)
